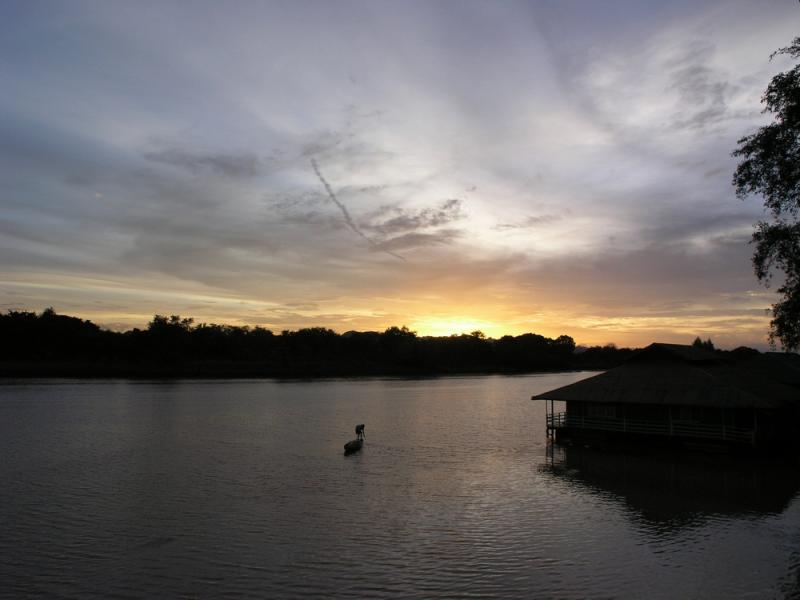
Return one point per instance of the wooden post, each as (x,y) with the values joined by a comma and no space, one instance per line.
(755,425)
(547,422)
(724,435)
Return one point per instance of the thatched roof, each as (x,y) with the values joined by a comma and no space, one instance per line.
(670,374)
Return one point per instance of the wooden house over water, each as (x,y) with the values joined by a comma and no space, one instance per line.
(685,394)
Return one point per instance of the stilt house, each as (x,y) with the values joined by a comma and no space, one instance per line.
(687,394)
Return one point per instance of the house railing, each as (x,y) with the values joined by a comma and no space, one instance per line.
(670,428)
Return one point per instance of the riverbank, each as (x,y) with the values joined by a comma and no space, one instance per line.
(52,345)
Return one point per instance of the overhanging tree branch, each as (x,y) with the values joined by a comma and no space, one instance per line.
(770,167)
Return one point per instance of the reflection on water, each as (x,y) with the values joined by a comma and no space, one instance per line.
(670,489)
(678,498)
(239,489)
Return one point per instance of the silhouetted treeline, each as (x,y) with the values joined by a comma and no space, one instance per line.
(49,344)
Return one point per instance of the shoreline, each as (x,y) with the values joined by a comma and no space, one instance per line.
(248,371)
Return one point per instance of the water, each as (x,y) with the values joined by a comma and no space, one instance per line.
(205,489)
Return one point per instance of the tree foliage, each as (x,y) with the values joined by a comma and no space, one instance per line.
(705,345)
(48,344)
(770,167)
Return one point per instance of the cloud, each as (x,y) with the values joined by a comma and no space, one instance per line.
(229,165)
(625,114)
(324,142)
(310,219)
(409,241)
(305,209)
(348,219)
(529,222)
(389,220)
(704,92)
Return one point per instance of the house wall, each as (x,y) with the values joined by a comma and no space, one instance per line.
(772,429)
(702,415)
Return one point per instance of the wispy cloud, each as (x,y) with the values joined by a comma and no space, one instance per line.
(704,92)
(417,239)
(395,219)
(346,214)
(229,165)
(529,222)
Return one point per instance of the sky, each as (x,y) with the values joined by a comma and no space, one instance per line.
(557,167)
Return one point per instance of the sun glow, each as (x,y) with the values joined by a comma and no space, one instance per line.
(456,325)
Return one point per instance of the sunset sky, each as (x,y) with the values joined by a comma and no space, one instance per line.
(558,167)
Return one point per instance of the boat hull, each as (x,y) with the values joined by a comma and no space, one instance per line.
(353,446)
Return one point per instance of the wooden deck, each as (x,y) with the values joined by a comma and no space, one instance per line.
(684,429)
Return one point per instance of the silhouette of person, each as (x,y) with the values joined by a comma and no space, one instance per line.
(360,431)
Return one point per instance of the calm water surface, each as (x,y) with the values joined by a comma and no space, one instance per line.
(239,489)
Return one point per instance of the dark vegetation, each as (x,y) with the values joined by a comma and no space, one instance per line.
(770,167)
(705,345)
(49,344)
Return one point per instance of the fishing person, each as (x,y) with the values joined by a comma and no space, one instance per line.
(360,431)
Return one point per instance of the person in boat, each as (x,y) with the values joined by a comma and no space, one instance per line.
(360,431)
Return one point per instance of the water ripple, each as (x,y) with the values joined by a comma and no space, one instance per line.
(240,489)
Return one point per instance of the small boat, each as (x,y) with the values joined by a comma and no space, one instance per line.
(353,446)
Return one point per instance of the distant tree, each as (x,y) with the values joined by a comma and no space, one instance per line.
(707,345)
(168,337)
(602,357)
(398,345)
(770,166)
(49,343)
(565,343)
(173,322)
(403,331)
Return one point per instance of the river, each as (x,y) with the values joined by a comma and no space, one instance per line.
(211,489)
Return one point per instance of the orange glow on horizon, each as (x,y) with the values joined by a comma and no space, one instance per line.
(495,311)
(456,325)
